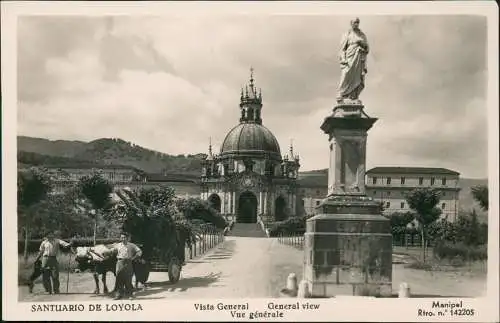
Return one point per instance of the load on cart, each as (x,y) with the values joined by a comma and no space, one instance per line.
(163,226)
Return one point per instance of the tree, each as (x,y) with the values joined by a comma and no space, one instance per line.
(97,190)
(399,222)
(33,186)
(423,202)
(474,230)
(467,229)
(480,194)
(197,209)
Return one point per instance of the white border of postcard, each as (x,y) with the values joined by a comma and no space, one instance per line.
(345,309)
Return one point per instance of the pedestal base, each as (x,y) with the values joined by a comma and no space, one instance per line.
(348,248)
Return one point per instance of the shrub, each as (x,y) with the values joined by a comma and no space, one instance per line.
(454,251)
(419,265)
(290,226)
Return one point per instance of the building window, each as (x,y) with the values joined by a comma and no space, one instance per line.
(444,194)
(388,180)
(402,180)
(402,205)
(374,180)
(443,206)
(432,181)
(317,203)
(388,194)
(420,180)
(303,202)
(388,205)
(443,181)
(374,193)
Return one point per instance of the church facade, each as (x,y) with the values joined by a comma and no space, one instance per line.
(250,179)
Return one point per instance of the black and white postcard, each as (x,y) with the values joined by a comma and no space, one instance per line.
(250,161)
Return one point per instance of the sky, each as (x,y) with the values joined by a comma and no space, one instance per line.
(170,83)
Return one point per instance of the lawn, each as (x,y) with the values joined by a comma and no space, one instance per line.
(467,268)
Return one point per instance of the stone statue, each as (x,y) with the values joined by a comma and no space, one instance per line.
(353,53)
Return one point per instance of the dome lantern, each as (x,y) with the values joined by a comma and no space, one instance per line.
(251,103)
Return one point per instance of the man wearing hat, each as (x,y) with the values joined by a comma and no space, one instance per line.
(127,253)
(49,249)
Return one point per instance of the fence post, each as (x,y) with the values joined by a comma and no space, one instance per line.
(203,243)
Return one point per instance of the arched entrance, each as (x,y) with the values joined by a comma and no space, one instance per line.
(280,209)
(214,201)
(247,208)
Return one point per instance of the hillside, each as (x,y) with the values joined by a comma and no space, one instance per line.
(105,151)
(467,203)
(38,151)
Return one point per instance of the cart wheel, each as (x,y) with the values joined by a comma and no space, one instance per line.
(174,270)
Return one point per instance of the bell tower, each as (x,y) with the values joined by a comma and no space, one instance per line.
(251,103)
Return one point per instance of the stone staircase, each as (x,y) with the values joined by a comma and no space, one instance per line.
(253,230)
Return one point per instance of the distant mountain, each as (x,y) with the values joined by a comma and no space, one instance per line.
(105,151)
(61,148)
(466,202)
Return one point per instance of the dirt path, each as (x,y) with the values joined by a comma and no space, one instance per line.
(250,267)
(239,267)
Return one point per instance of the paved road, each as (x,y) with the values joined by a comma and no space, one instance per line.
(251,267)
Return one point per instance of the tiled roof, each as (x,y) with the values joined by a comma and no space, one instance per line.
(90,166)
(411,170)
(320,180)
(152,177)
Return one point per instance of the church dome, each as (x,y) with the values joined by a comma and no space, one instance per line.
(251,139)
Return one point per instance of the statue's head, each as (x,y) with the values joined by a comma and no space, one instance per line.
(355,23)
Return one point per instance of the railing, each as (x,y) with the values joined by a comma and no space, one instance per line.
(295,240)
(262,224)
(409,240)
(205,242)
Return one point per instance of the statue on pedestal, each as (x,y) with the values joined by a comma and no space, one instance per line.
(353,52)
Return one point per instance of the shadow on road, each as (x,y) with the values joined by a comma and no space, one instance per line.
(181,286)
(226,251)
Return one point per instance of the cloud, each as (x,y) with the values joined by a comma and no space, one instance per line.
(170,82)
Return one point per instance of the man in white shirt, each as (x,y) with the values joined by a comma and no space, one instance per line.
(49,249)
(127,252)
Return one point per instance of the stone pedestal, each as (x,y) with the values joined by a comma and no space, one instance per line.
(348,243)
